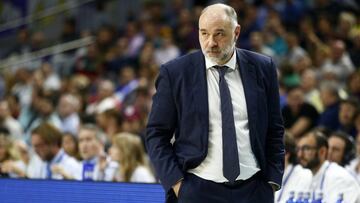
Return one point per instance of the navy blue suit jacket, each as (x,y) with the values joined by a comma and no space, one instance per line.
(180,108)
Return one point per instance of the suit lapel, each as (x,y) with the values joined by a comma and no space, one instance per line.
(200,92)
(249,80)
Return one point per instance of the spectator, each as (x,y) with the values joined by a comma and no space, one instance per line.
(128,151)
(341,148)
(103,99)
(349,108)
(339,66)
(299,116)
(296,178)
(331,101)
(328,178)
(70,145)
(50,161)
(96,166)
(10,165)
(111,123)
(354,166)
(67,110)
(8,122)
(309,85)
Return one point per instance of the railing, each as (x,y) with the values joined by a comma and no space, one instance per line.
(56,49)
(38,16)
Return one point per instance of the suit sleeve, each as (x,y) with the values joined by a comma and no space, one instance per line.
(275,152)
(159,131)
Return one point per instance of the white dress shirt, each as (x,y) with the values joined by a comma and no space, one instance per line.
(39,169)
(211,167)
(296,179)
(352,168)
(332,180)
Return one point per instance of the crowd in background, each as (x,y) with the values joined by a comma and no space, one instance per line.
(97,98)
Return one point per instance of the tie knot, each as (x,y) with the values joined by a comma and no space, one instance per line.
(222,70)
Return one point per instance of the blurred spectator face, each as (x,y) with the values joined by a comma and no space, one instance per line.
(256,40)
(3,148)
(106,89)
(357,122)
(127,74)
(67,105)
(308,80)
(114,153)
(217,35)
(307,152)
(295,99)
(43,150)
(347,114)
(337,49)
(354,83)
(358,144)
(327,98)
(69,144)
(89,146)
(4,110)
(336,149)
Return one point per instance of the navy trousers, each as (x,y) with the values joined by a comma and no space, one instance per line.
(197,190)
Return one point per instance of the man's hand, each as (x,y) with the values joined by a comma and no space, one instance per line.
(176,188)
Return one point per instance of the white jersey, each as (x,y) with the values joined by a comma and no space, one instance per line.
(296,179)
(332,180)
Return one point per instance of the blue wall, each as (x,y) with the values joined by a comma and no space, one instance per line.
(38,191)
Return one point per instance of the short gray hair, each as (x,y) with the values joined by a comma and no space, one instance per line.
(229,11)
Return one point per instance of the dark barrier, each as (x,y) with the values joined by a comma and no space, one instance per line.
(46,191)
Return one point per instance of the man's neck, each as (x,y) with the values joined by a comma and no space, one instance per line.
(317,168)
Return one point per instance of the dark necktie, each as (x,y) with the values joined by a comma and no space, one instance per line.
(231,168)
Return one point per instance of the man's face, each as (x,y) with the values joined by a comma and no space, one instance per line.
(88,144)
(307,152)
(346,114)
(217,36)
(42,149)
(336,149)
(358,144)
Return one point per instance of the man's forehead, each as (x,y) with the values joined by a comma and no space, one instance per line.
(307,140)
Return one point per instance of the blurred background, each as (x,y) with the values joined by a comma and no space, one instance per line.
(76,63)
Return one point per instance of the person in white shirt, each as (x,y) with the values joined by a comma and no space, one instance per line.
(95,165)
(128,151)
(330,179)
(50,161)
(296,178)
(354,166)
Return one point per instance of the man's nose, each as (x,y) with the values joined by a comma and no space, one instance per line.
(212,42)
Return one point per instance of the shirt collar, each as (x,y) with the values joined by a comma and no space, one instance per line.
(231,63)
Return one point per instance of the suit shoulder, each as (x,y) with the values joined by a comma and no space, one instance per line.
(182,61)
(255,57)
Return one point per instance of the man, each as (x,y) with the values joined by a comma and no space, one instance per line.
(296,178)
(51,161)
(67,110)
(95,165)
(224,150)
(341,148)
(299,116)
(354,166)
(329,178)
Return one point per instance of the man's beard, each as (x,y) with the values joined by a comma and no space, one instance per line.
(225,53)
(314,163)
